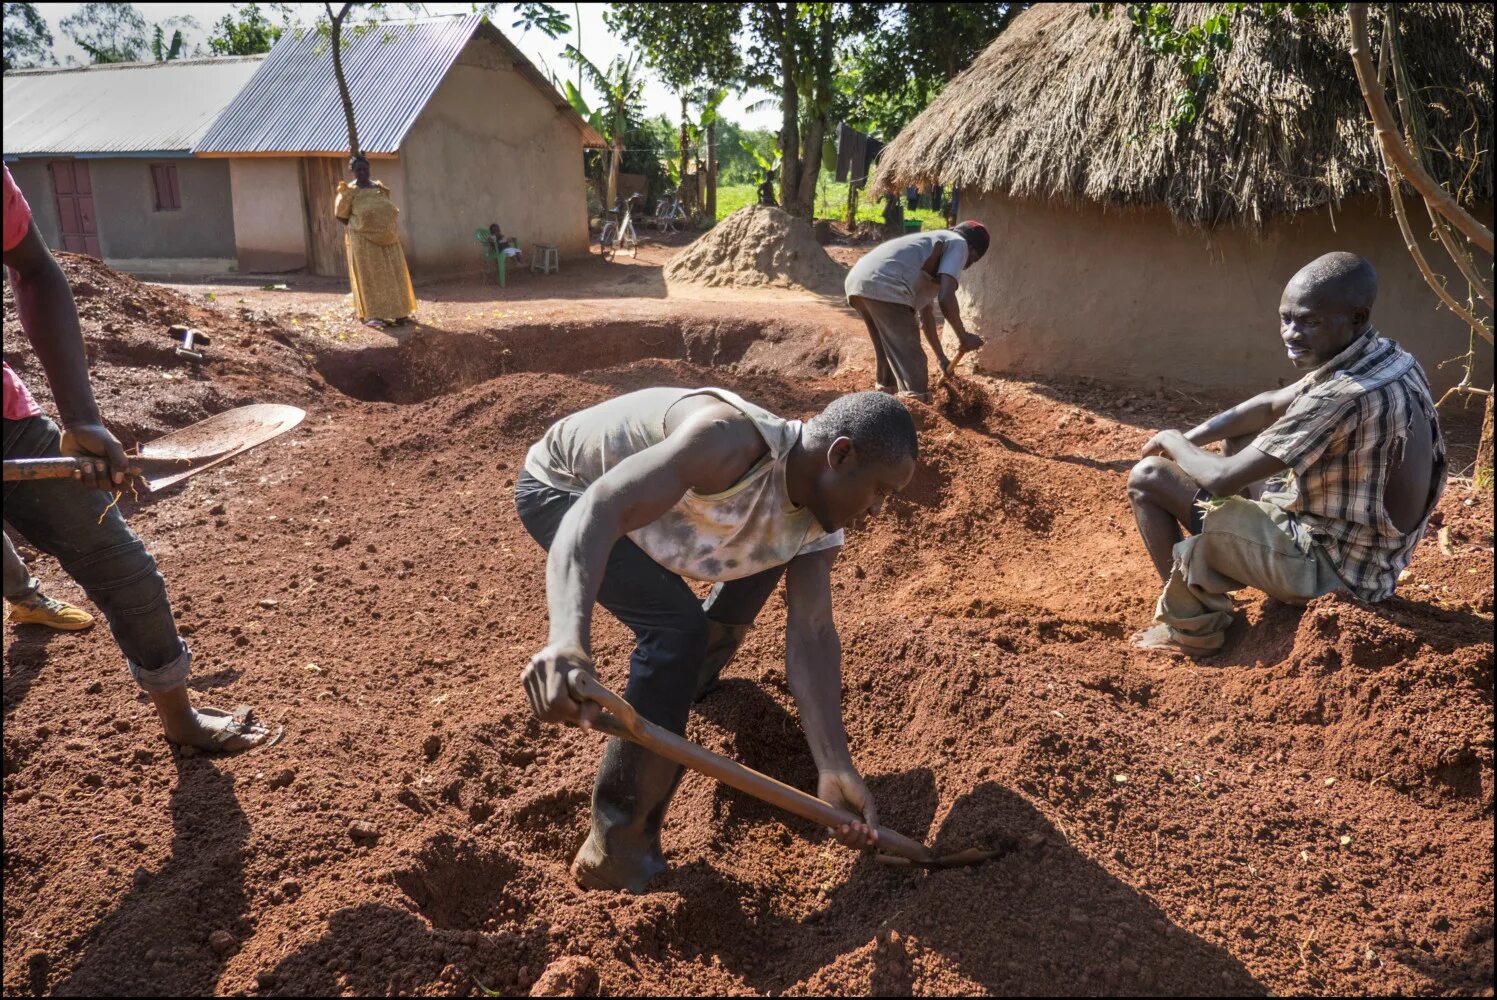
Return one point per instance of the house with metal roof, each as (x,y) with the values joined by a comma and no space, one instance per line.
(104,157)
(457,123)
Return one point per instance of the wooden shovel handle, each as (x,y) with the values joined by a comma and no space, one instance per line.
(25,470)
(584,686)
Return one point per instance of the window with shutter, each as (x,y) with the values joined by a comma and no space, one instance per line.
(164,187)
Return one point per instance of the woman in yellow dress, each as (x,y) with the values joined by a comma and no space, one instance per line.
(376,264)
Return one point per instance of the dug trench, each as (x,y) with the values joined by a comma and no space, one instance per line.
(1311,811)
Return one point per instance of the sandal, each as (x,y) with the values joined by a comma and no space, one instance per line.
(239,721)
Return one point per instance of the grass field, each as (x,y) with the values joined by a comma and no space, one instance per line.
(831,202)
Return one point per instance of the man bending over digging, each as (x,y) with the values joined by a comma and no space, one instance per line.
(635,495)
(898,285)
(1357,459)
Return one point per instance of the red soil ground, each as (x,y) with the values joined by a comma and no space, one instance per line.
(1308,812)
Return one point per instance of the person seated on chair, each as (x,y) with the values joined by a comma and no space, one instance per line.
(508,244)
(1355,451)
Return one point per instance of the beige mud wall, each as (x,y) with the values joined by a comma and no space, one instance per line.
(490,147)
(269,214)
(35,182)
(1126,296)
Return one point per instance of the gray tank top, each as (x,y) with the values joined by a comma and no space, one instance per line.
(749,527)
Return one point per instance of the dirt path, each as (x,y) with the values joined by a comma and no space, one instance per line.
(1311,811)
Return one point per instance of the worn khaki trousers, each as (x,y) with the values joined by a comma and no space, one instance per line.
(1243,543)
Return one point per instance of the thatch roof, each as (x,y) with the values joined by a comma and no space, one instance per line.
(1060,106)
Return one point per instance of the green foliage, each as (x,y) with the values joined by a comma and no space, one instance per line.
(108,32)
(686,44)
(245,32)
(1195,48)
(543,17)
(831,202)
(907,53)
(28,42)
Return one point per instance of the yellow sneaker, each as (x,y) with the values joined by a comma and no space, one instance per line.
(39,609)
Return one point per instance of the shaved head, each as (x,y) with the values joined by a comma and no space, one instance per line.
(1341,278)
(1326,306)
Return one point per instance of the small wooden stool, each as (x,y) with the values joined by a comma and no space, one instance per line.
(544,258)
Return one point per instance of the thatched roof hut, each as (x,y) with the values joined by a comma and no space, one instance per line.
(1056,136)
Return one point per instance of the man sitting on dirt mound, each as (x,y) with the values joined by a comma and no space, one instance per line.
(896,288)
(1357,456)
(77,522)
(635,494)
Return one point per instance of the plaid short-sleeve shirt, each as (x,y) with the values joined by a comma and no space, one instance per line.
(1340,438)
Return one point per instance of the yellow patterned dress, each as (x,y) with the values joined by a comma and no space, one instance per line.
(376,264)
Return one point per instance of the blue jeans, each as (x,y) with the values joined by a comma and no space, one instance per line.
(95,546)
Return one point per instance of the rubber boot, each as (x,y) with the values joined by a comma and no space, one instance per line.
(623,851)
(722,645)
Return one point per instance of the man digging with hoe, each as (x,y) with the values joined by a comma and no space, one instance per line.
(634,495)
(1358,461)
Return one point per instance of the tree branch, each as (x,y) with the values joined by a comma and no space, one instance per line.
(1395,153)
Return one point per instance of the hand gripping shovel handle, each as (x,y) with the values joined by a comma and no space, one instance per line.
(623,722)
(951,368)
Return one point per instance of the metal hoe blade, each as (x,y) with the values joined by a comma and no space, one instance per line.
(188,451)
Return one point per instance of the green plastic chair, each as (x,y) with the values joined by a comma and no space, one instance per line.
(485,239)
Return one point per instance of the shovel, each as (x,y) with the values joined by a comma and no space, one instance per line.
(622,721)
(182,453)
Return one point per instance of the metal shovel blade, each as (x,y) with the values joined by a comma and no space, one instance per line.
(186,452)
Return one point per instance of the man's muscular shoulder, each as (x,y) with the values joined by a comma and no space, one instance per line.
(717,442)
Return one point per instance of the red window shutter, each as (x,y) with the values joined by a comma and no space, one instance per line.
(158,188)
(171,177)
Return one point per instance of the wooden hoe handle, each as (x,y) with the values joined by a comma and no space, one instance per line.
(626,724)
(25,470)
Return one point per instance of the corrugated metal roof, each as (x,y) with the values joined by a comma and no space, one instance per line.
(123,108)
(292,106)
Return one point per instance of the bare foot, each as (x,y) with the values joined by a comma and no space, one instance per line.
(1158,639)
(213,731)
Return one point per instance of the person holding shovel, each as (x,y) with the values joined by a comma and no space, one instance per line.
(77,521)
(638,494)
(898,285)
(1324,485)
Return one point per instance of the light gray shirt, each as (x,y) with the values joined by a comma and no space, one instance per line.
(891,271)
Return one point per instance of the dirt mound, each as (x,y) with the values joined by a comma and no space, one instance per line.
(143,388)
(756,247)
(1309,812)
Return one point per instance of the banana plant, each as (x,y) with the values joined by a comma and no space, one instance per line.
(620,86)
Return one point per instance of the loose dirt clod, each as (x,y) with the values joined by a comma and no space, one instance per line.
(755,247)
(568,976)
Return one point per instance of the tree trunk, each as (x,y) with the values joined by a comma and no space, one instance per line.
(337,22)
(852,205)
(789,107)
(712,173)
(681,188)
(1482,474)
(615,155)
(810,172)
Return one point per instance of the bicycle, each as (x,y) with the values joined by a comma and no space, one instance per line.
(669,215)
(619,231)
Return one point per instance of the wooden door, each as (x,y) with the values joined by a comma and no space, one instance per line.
(74,194)
(326,253)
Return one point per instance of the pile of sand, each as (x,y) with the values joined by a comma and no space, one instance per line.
(755,247)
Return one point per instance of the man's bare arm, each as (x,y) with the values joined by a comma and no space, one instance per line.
(1247,417)
(932,330)
(953,313)
(44,303)
(1219,475)
(813,666)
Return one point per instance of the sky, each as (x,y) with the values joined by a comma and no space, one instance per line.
(599,44)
